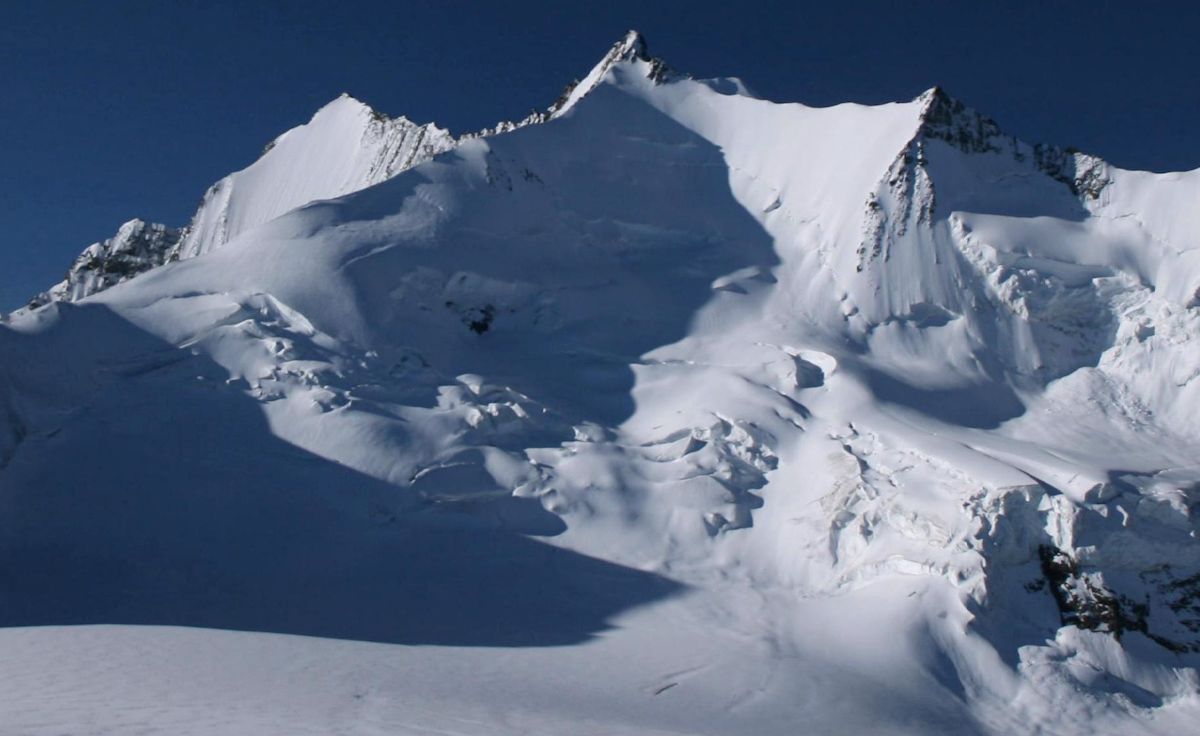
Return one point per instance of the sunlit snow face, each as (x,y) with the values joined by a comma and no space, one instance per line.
(654,393)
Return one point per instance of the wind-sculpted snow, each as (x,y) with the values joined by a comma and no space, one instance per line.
(719,415)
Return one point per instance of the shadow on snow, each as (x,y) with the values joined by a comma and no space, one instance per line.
(165,499)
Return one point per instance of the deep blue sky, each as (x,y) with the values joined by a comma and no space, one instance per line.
(110,110)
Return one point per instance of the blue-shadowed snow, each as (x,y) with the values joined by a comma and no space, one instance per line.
(671,410)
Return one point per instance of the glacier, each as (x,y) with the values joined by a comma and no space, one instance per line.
(669,410)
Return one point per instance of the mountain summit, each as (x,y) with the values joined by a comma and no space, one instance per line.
(666,410)
(346,146)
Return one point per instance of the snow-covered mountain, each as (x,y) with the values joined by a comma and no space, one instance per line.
(137,247)
(669,410)
(347,146)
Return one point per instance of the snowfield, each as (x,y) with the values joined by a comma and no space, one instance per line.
(668,411)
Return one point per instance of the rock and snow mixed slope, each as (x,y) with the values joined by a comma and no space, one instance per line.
(346,146)
(137,247)
(672,410)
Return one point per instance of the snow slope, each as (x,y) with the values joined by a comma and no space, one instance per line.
(346,146)
(672,410)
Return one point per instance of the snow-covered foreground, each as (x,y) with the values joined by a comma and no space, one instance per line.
(694,666)
(672,410)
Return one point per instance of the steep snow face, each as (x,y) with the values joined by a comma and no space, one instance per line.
(345,147)
(877,405)
(137,247)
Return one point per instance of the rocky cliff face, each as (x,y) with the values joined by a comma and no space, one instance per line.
(137,247)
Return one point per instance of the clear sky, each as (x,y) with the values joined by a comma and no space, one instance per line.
(113,110)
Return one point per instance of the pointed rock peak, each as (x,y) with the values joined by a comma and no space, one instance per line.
(939,108)
(947,119)
(935,95)
(632,46)
(631,49)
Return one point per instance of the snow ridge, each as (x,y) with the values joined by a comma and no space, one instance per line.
(632,49)
(879,405)
(346,146)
